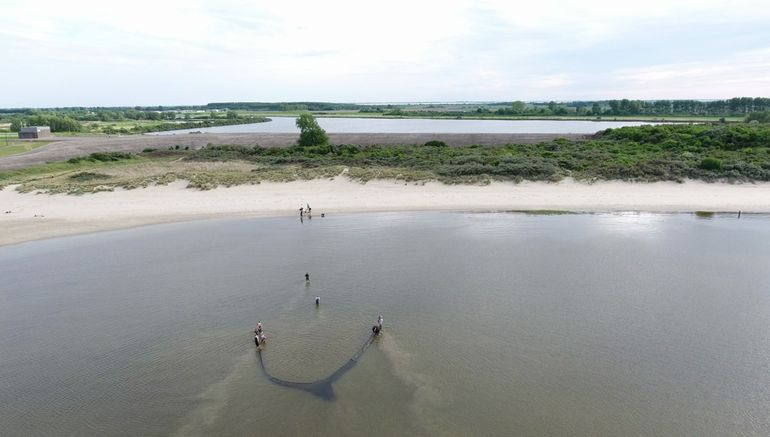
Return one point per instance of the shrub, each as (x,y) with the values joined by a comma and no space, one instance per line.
(711,164)
(86,176)
(109,156)
(101,157)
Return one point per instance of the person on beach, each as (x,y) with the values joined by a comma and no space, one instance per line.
(307,276)
(379,321)
(308,209)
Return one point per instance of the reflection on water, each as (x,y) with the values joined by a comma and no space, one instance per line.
(495,324)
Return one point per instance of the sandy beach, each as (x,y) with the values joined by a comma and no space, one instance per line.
(39,216)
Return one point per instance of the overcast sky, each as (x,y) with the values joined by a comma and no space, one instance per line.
(106,53)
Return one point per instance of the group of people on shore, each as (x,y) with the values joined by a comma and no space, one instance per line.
(307,211)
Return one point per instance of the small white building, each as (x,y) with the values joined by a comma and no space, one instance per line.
(32,132)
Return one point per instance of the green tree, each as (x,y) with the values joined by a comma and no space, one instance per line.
(232,115)
(761,117)
(310,133)
(16,124)
(519,107)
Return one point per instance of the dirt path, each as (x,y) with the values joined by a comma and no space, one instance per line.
(64,148)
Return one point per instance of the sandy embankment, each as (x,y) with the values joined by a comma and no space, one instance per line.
(37,216)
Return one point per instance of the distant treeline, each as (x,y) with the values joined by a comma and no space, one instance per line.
(739,106)
(218,106)
(285,106)
(116,114)
(58,123)
(74,121)
(91,109)
(734,106)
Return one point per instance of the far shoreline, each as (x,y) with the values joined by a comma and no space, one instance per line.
(43,216)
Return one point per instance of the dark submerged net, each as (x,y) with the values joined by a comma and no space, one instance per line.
(322,387)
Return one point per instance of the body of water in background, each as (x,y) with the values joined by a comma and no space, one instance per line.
(415,125)
(495,324)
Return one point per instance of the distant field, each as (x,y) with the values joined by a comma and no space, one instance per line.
(9,146)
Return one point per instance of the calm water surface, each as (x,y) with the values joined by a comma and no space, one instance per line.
(495,324)
(383,125)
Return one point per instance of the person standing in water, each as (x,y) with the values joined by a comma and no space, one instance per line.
(307,276)
(258,329)
(379,321)
(317,300)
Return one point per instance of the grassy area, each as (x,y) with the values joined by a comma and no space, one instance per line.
(14,146)
(733,153)
(88,176)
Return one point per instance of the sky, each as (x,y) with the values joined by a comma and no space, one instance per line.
(169,52)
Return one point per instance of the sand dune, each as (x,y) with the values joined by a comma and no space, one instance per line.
(37,216)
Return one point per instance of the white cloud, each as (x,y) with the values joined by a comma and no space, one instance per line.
(743,74)
(552,81)
(372,51)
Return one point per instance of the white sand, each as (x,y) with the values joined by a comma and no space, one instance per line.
(59,214)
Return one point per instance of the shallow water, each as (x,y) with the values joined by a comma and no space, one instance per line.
(413,125)
(495,324)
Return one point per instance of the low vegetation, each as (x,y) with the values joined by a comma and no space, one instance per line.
(14,146)
(719,152)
